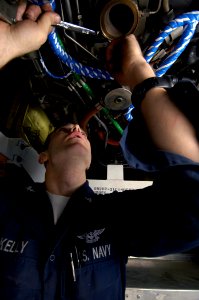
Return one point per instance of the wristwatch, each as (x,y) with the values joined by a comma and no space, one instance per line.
(142,88)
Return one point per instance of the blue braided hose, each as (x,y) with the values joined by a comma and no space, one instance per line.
(67,59)
(189,21)
(128,116)
(42,2)
(75,66)
(50,73)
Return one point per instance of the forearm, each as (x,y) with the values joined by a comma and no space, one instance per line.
(6,56)
(169,128)
(7,51)
(3,60)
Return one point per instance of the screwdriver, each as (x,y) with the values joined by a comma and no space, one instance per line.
(77,28)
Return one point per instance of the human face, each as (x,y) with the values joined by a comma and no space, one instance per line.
(69,143)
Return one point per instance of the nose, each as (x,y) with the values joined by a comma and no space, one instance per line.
(75,127)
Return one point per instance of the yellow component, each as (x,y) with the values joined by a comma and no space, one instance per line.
(35,126)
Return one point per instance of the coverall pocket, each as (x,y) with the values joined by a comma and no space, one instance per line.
(19,278)
(101,280)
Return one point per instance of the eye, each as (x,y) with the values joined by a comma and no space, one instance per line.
(83,133)
(64,129)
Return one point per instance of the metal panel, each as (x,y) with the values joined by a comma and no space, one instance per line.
(170,272)
(158,294)
(170,277)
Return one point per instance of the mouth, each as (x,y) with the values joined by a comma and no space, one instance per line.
(75,135)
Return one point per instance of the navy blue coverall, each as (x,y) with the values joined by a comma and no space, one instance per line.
(84,256)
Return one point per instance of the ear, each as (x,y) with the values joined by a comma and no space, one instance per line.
(43,157)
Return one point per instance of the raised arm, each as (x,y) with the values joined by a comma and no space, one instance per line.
(28,33)
(169,128)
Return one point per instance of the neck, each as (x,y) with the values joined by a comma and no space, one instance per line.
(64,181)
